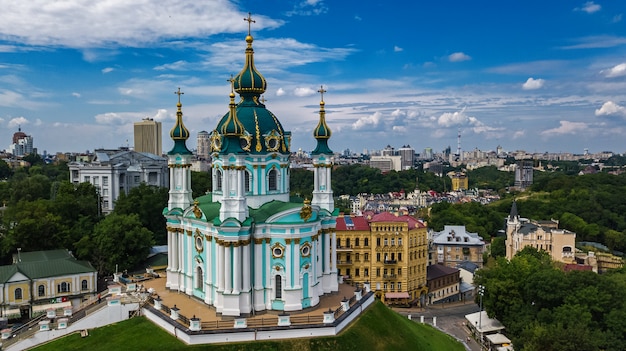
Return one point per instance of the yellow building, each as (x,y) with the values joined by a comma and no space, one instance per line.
(389,251)
(460,181)
(39,280)
(542,235)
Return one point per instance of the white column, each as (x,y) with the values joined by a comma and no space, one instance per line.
(208,245)
(169,251)
(326,252)
(236,268)
(181,251)
(220,266)
(246,267)
(258,265)
(268,267)
(288,264)
(333,256)
(316,174)
(296,262)
(228,269)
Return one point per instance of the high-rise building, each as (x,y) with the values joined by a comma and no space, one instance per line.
(204,146)
(523,174)
(22,144)
(407,157)
(148,136)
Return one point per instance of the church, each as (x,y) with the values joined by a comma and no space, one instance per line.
(246,245)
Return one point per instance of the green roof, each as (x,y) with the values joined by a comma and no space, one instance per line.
(43,264)
(271,208)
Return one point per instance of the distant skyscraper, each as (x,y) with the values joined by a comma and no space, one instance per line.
(388,151)
(204,146)
(428,154)
(523,174)
(22,144)
(148,136)
(407,156)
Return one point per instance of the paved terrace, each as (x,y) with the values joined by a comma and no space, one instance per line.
(189,306)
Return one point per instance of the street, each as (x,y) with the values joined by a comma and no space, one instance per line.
(450,319)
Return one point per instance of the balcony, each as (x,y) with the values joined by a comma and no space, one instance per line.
(344,262)
(390,261)
(389,276)
(345,248)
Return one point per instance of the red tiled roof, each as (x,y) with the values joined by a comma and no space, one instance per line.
(577,267)
(390,217)
(359,223)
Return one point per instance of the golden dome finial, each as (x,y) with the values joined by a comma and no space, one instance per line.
(179,93)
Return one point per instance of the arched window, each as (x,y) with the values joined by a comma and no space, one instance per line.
(278,285)
(199,277)
(63,287)
(41,290)
(18,293)
(272,180)
(247,181)
(84,285)
(218,180)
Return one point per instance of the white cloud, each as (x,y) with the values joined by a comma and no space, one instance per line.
(18,121)
(532,84)
(589,7)
(76,95)
(566,127)
(120,22)
(107,70)
(397,49)
(280,92)
(118,118)
(519,134)
(308,8)
(449,119)
(610,108)
(458,57)
(306,91)
(174,66)
(617,18)
(596,42)
(365,121)
(616,71)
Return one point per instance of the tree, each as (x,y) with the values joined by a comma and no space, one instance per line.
(116,240)
(148,203)
(200,183)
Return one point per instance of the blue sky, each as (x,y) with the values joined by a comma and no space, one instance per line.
(533,75)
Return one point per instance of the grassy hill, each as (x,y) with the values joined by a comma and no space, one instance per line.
(378,328)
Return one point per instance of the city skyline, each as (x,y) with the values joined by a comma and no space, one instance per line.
(535,76)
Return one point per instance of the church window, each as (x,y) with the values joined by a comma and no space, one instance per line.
(218,176)
(272,180)
(84,285)
(41,290)
(199,277)
(305,250)
(278,286)
(247,181)
(18,293)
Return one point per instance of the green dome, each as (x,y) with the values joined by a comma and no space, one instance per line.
(262,132)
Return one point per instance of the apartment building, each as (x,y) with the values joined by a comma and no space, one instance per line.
(387,250)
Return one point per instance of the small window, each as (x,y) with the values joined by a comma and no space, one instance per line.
(41,290)
(272,180)
(84,285)
(278,284)
(218,180)
(247,181)
(18,293)
(63,287)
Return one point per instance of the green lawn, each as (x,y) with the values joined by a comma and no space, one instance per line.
(377,329)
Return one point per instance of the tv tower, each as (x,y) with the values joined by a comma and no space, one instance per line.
(458,145)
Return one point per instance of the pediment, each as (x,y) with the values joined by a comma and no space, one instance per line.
(18,277)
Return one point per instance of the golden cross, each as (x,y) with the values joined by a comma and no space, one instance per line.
(232,83)
(179,93)
(250,21)
(322,91)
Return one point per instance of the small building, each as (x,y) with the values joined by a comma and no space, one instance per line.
(114,172)
(542,235)
(481,325)
(454,244)
(40,280)
(443,283)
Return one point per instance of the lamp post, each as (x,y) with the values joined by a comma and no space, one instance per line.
(481,292)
